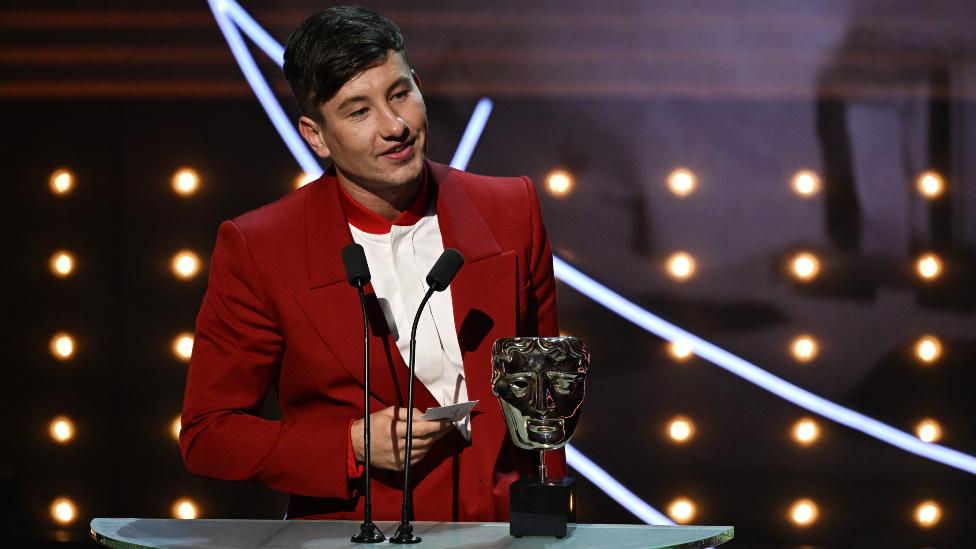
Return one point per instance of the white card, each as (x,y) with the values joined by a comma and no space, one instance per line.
(454,412)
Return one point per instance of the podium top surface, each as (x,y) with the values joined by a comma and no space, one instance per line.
(171,533)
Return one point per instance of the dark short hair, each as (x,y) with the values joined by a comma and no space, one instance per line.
(331,47)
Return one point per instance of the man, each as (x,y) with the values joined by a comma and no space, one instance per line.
(279,313)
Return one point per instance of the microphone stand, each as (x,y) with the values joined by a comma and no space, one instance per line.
(368,532)
(404,534)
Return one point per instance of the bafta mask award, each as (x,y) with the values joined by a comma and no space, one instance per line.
(540,383)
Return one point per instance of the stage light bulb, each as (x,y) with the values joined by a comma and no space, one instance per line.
(928,430)
(682,182)
(183,346)
(63,511)
(927,514)
(62,264)
(682,510)
(62,430)
(681,266)
(929,266)
(928,349)
(681,429)
(62,346)
(176,426)
(185,508)
(931,185)
(680,350)
(804,512)
(304,179)
(804,266)
(186,182)
(62,182)
(186,264)
(804,348)
(559,183)
(806,183)
(806,431)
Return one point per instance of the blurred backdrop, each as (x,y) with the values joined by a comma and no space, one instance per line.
(792,181)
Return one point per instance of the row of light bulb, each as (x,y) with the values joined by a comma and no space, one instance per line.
(64,347)
(804,512)
(683,182)
(804,348)
(65,512)
(803,266)
(184,264)
(805,431)
(559,183)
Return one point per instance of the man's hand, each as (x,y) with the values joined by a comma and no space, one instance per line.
(388,437)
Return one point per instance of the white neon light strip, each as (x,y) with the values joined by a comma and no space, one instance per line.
(627,499)
(223,11)
(750,372)
(472,134)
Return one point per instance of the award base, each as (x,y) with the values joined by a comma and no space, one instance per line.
(542,508)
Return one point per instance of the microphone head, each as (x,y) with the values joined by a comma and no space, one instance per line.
(357,270)
(443,271)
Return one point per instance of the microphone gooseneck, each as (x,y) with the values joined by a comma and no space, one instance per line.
(357,273)
(439,278)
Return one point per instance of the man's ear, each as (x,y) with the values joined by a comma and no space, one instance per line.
(416,78)
(312,131)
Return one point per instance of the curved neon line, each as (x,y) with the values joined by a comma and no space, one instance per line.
(627,499)
(261,89)
(754,374)
(472,133)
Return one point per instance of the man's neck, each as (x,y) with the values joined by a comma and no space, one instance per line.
(388,202)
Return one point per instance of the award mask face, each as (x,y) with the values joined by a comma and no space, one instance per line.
(540,383)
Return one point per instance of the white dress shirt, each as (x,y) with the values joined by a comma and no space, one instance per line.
(398,263)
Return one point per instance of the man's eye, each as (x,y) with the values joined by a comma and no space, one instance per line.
(360,112)
(399,96)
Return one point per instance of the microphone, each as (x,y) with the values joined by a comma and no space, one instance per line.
(439,278)
(357,273)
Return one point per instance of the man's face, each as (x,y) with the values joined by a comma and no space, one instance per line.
(374,128)
(540,383)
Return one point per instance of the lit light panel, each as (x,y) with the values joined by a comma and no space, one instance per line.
(930,184)
(927,514)
(804,348)
(929,266)
(186,182)
(183,346)
(804,266)
(62,346)
(928,430)
(682,182)
(806,431)
(185,264)
(806,183)
(560,183)
(928,349)
(682,510)
(680,266)
(62,264)
(185,508)
(62,182)
(681,429)
(63,511)
(62,429)
(804,512)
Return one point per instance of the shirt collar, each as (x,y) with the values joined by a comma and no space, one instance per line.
(368,221)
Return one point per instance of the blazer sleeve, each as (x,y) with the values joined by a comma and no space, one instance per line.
(543,302)
(237,353)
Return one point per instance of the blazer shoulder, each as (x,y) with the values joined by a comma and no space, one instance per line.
(487,188)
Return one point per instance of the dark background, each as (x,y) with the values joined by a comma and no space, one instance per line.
(867,94)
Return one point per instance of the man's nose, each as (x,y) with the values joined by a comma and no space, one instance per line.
(394,127)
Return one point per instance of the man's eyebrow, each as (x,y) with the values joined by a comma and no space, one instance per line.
(350,100)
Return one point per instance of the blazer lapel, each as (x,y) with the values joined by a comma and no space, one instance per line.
(484,298)
(332,305)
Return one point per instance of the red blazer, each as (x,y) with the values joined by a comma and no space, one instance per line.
(279,312)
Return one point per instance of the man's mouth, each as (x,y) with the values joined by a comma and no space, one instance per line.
(401,151)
